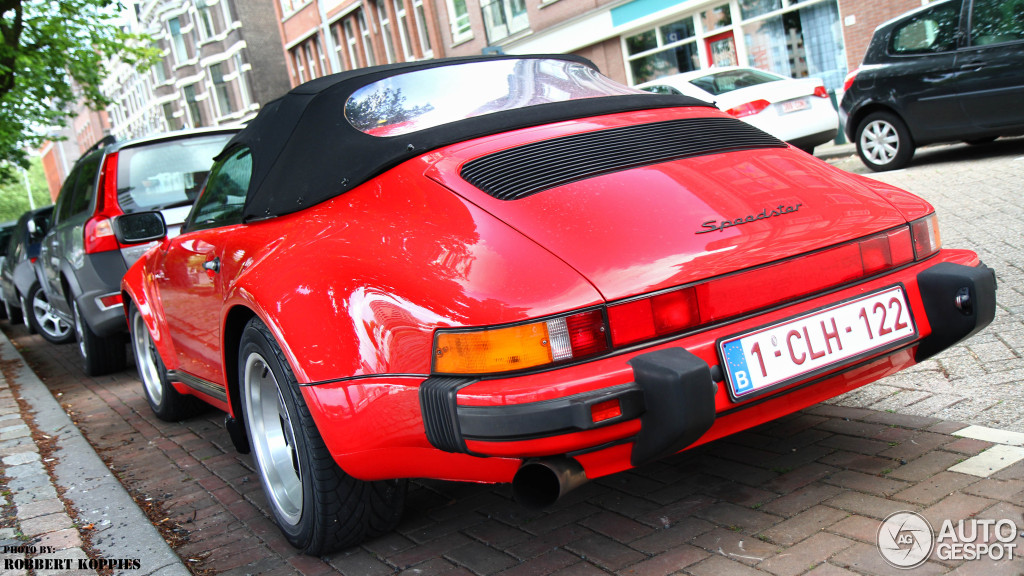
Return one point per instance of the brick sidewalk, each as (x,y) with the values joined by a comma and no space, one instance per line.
(804,495)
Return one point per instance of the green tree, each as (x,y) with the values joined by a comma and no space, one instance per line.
(14,194)
(53,53)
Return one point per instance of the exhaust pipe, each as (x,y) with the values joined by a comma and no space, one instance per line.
(540,482)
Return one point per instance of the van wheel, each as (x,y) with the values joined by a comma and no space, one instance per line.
(317,506)
(883,142)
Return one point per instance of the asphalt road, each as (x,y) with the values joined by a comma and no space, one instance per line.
(802,495)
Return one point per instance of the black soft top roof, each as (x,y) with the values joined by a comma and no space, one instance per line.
(305,151)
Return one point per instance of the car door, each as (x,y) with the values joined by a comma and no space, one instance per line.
(991,80)
(922,76)
(63,244)
(192,285)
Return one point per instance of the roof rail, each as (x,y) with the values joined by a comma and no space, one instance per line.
(105,141)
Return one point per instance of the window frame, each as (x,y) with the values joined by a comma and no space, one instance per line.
(233,218)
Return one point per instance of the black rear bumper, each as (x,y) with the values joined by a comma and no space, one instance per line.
(958,300)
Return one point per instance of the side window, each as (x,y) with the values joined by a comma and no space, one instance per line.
(221,202)
(77,194)
(928,32)
(997,21)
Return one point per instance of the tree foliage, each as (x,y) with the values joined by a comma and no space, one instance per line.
(14,194)
(53,54)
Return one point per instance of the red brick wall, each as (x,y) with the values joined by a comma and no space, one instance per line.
(869,14)
(608,57)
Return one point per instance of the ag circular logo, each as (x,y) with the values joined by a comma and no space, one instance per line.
(905,539)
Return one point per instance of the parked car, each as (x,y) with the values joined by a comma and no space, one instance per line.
(949,71)
(81,260)
(797,111)
(513,269)
(20,284)
(6,233)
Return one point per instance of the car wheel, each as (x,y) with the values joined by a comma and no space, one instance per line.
(318,507)
(166,402)
(41,318)
(99,355)
(883,142)
(14,315)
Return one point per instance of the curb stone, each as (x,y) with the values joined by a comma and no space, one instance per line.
(121,530)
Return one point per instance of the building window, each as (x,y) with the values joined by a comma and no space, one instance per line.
(458,17)
(371,60)
(172,122)
(668,49)
(799,42)
(222,89)
(243,84)
(194,111)
(403,29)
(178,45)
(307,52)
(503,18)
(300,68)
(350,41)
(423,29)
(207,19)
(385,31)
(159,72)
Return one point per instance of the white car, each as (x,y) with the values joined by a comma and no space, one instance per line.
(797,111)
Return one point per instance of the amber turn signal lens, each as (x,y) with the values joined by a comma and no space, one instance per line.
(495,350)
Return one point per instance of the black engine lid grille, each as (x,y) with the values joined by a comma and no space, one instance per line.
(525,170)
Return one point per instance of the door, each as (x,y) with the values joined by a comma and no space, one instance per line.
(991,80)
(722,50)
(197,269)
(922,76)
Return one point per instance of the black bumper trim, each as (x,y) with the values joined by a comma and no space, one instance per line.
(673,395)
(958,300)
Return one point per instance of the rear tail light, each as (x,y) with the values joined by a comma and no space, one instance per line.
(581,335)
(926,236)
(521,346)
(849,80)
(99,234)
(820,92)
(748,109)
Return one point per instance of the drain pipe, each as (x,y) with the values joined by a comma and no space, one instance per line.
(540,482)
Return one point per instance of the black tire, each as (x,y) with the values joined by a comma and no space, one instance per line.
(14,315)
(884,142)
(99,355)
(39,317)
(166,402)
(326,509)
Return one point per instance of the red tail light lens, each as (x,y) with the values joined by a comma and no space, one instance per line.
(99,234)
(820,92)
(586,333)
(658,315)
(748,109)
(849,80)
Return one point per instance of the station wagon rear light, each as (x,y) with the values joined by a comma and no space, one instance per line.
(748,109)
(98,232)
(820,92)
(927,240)
(521,346)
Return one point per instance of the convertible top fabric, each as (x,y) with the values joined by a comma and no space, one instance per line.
(305,151)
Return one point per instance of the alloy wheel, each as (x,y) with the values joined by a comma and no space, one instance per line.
(46,319)
(273,438)
(145,355)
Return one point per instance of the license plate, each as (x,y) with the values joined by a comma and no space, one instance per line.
(794,105)
(794,349)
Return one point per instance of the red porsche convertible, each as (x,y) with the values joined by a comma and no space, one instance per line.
(513,269)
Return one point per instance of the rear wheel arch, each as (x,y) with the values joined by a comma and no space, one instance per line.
(234,325)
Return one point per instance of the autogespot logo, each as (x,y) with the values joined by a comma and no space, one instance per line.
(905,539)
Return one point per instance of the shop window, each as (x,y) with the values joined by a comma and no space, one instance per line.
(716,18)
(801,42)
(754,8)
(503,18)
(663,51)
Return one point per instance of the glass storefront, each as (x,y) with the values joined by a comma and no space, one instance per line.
(796,38)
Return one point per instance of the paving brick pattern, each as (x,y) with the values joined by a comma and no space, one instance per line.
(977,195)
(803,495)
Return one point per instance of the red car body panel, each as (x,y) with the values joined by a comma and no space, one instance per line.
(354,288)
